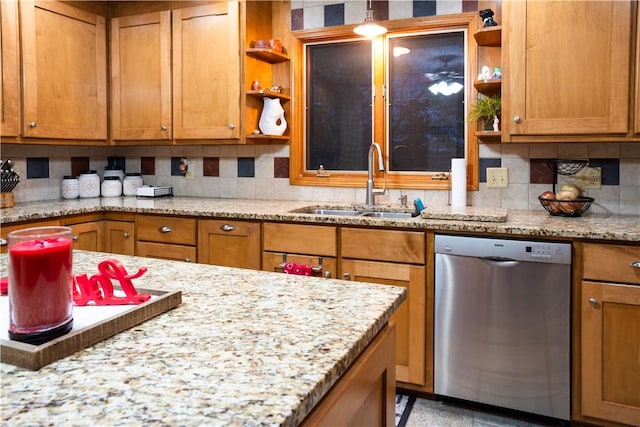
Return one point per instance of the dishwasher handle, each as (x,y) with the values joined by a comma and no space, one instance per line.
(498,259)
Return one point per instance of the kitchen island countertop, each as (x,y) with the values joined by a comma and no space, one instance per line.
(524,223)
(244,348)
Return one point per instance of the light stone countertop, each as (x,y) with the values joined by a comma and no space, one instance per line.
(245,348)
(519,222)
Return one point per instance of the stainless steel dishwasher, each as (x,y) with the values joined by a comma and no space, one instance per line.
(502,323)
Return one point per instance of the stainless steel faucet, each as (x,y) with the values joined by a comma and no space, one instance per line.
(371,192)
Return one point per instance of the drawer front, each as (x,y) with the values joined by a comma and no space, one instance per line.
(300,239)
(166,229)
(612,263)
(383,245)
(164,251)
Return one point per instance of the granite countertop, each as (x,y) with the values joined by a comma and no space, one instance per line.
(518,222)
(244,348)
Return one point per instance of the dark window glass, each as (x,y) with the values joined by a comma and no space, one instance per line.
(426,95)
(338,110)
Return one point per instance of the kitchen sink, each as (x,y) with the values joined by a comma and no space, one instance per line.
(354,212)
(395,215)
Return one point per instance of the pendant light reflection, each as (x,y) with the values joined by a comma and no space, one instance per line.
(399,51)
(369,28)
(445,88)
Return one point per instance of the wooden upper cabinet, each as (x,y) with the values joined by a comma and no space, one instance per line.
(206,72)
(141,77)
(10,69)
(566,69)
(64,71)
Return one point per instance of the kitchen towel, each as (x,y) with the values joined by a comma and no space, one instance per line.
(458,183)
(298,269)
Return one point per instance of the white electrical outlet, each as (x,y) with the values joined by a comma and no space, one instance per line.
(497,177)
(589,177)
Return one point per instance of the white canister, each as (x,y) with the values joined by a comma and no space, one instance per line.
(70,187)
(89,184)
(114,171)
(131,183)
(111,187)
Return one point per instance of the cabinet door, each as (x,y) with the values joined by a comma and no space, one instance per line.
(88,236)
(566,68)
(206,72)
(64,72)
(610,371)
(637,85)
(410,318)
(118,237)
(229,243)
(141,76)
(10,69)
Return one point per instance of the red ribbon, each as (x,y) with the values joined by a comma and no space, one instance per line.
(298,269)
(99,287)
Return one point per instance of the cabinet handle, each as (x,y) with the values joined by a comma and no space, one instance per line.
(346,276)
(517,119)
(165,229)
(636,264)
(227,227)
(593,302)
(4,242)
(187,259)
(327,274)
(163,128)
(232,126)
(126,235)
(33,124)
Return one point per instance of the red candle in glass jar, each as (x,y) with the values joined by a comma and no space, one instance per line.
(40,283)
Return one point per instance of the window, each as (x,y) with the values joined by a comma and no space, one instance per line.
(405,90)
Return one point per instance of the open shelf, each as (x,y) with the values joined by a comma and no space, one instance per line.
(267,55)
(488,87)
(267,94)
(489,135)
(263,137)
(489,36)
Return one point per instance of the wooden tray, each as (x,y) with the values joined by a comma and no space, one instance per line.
(34,357)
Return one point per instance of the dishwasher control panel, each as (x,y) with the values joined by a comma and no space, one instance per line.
(504,249)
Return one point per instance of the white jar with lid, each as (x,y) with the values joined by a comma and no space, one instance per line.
(111,187)
(113,171)
(89,184)
(131,183)
(70,187)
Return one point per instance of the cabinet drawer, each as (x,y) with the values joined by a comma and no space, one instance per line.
(383,245)
(164,251)
(612,263)
(300,239)
(166,229)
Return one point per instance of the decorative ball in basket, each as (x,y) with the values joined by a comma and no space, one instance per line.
(566,202)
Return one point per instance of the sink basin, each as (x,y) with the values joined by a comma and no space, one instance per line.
(347,212)
(395,215)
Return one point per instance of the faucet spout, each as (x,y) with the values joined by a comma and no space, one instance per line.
(371,192)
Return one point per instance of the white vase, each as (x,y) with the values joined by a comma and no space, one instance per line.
(272,121)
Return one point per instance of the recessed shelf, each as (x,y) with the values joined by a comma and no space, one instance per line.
(488,87)
(489,36)
(488,134)
(262,136)
(267,94)
(268,55)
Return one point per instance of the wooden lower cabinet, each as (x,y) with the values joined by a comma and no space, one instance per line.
(229,243)
(365,394)
(8,228)
(119,237)
(166,237)
(394,258)
(314,245)
(87,235)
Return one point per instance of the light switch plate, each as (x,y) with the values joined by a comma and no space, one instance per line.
(497,177)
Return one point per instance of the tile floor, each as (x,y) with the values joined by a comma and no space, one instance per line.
(431,413)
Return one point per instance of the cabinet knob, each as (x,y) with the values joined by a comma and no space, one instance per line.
(165,229)
(593,302)
(232,126)
(517,119)
(4,242)
(346,276)
(187,259)
(33,124)
(74,238)
(327,274)
(636,264)
(163,128)
(126,235)
(227,227)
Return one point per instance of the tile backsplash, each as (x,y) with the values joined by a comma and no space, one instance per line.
(261,172)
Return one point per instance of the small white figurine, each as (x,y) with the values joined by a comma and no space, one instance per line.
(485,74)
(496,123)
